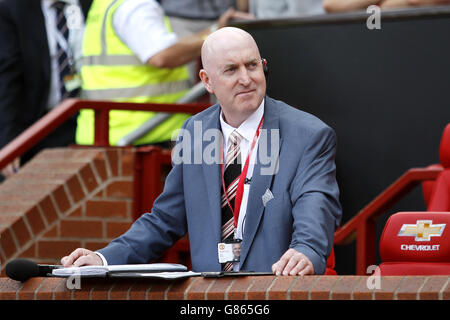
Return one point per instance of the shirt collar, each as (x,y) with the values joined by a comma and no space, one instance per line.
(248,128)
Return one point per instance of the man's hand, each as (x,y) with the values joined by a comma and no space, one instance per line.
(82,257)
(293,263)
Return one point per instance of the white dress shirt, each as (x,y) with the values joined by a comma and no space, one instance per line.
(75,23)
(247,130)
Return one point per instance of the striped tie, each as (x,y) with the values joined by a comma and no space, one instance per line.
(64,64)
(231,178)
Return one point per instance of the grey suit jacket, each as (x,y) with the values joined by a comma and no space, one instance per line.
(302,214)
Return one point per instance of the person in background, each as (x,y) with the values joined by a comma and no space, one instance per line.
(353,5)
(40,55)
(131,54)
(188,17)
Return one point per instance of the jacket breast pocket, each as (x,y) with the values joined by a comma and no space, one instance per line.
(278,209)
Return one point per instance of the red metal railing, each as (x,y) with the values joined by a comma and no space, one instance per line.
(149,161)
(69,107)
(362,225)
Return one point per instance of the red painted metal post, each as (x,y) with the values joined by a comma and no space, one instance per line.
(101,128)
(149,162)
(365,246)
(148,185)
(137,178)
(146,176)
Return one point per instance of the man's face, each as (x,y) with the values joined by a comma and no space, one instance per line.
(237,250)
(235,75)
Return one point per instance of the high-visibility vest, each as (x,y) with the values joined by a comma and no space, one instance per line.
(111,71)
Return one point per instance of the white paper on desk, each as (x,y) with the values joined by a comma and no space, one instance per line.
(144,268)
(158,275)
(97,271)
(102,271)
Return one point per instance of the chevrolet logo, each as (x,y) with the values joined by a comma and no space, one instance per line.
(422,230)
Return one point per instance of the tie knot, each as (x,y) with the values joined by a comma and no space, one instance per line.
(59,5)
(235,137)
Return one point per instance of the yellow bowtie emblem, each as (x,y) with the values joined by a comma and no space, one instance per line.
(423,230)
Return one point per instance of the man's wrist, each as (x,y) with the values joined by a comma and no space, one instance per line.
(105,263)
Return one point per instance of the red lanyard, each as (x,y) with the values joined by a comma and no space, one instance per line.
(240,186)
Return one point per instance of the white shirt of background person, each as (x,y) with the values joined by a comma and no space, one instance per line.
(140,25)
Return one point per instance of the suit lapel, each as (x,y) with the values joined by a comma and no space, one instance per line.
(260,183)
(211,173)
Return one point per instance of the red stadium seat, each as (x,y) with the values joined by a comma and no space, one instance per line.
(440,191)
(428,187)
(440,194)
(416,243)
(444,148)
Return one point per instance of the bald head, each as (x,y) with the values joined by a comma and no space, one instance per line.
(225,40)
(233,72)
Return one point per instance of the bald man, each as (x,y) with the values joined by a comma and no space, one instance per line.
(284,203)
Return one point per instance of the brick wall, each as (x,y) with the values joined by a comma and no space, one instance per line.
(82,197)
(232,288)
(64,199)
